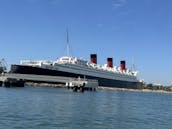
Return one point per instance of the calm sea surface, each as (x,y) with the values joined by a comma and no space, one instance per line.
(59,108)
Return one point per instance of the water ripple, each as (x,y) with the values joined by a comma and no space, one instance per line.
(51,108)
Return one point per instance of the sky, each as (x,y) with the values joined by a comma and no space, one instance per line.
(138,30)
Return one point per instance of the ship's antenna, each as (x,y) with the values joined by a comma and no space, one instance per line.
(68,50)
(132,65)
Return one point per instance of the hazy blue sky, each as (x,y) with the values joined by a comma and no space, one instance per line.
(122,29)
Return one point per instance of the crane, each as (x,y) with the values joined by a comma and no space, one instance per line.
(3,66)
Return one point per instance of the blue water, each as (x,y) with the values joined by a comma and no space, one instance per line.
(59,108)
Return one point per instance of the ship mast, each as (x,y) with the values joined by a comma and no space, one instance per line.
(67,38)
(132,65)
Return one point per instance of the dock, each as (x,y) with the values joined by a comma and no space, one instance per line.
(82,84)
(19,80)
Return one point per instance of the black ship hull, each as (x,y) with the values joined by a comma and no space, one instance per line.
(102,81)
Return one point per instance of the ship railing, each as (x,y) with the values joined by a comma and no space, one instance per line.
(63,62)
(30,62)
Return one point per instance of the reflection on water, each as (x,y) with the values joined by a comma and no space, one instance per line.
(41,107)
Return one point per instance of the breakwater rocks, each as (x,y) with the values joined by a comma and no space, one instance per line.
(164,90)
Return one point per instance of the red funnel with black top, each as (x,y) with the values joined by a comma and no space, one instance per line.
(123,65)
(110,62)
(93,58)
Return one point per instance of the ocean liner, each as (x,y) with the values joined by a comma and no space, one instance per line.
(107,75)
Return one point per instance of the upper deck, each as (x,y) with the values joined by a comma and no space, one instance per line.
(79,62)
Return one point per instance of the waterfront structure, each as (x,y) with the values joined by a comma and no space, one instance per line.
(107,75)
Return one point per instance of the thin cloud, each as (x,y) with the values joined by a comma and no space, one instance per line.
(118,3)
